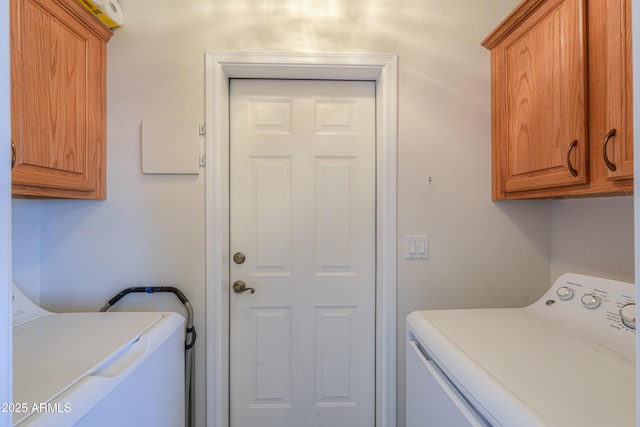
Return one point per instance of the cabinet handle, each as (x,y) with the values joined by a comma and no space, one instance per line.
(573,170)
(13,154)
(610,165)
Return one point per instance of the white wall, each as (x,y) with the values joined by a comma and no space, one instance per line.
(151,228)
(593,236)
(26,246)
(5,216)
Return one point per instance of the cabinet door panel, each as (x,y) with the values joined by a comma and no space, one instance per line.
(611,85)
(541,63)
(52,140)
(58,64)
(562,72)
(68,121)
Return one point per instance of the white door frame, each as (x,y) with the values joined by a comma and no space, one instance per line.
(220,66)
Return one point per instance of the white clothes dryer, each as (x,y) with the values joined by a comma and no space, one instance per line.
(566,360)
(96,369)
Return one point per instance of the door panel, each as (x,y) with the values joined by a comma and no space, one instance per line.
(302,177)
(269,198)
(333,196)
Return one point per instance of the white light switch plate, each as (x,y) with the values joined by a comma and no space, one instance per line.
(416,246)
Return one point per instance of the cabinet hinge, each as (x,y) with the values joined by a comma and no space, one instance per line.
(203,129)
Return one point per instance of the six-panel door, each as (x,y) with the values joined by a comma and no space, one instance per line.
(302,212)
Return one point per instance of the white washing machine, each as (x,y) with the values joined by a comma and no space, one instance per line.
(96,369)
(566,360)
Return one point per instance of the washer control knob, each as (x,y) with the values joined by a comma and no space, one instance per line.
(565,293)
(591,301)
(628,315)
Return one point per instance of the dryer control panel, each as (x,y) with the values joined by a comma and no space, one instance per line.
(601,309)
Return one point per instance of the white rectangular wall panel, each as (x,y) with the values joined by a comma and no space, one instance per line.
(170,145)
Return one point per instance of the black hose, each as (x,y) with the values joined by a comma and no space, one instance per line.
(190,338)
(191,330)
(150,290)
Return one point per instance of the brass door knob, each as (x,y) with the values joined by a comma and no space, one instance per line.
(239,287)
(239,258)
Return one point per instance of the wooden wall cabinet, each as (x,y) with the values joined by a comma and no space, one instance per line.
(562,100)
(58,100)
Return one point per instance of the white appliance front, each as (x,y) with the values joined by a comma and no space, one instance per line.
(431,396)
(96,369)
(566,360)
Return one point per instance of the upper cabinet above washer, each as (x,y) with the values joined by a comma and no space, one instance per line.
(58,99)
(562,100)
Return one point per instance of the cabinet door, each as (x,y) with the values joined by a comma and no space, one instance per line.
(611,103)
(539,82)
(56,100)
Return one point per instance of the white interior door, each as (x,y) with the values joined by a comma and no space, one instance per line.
(302,211)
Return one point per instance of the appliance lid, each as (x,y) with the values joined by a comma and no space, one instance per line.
(24,310)
(54,351)
(523,369)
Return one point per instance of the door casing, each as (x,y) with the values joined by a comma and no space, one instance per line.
(220,66)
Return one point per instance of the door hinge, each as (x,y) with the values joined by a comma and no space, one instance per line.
(203,156)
